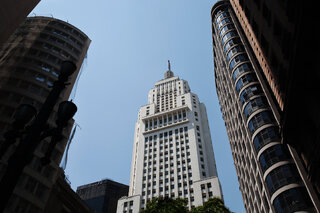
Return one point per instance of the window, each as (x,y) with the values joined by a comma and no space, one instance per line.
(225,29)
(238,59)
(244,80)
(234,50)
(266,136)
(246,67)
(231,43)
(250,91)
(281,176)
(273,155)
(255,104)
(292,200)
(259,120)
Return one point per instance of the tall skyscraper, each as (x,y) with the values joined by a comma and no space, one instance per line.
(172,150)
(29,65)
(103,196)
(277,32)
(268,176)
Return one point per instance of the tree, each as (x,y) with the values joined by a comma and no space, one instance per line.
(166,205)
(213,205)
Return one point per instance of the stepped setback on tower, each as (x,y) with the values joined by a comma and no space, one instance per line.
(172,151)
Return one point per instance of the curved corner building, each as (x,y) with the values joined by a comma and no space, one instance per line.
(268,178)
(29,64)
(172,152)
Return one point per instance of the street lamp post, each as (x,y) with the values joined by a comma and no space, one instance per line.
(35,133)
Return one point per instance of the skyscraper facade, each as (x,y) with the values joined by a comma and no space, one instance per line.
(268,177)
(277,32)
(103,196)
(29,65)
(172,152)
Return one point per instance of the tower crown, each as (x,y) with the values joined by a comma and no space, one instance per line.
(168,73)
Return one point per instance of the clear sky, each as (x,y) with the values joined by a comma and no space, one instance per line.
(131,43)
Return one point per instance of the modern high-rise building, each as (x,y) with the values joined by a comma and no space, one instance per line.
(103,196)
(268,176)
(172,151)
(277,32)
(29,65)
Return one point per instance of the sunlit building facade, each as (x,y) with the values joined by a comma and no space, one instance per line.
(172,152)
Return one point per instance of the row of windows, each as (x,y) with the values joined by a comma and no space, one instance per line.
(36,21)
(166,134)
(166,120)
(284,174)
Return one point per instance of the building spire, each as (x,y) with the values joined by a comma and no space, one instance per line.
(169,73)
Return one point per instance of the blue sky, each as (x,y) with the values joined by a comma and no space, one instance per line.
(131,43)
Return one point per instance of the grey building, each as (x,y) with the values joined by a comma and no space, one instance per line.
(29,64)
(268,176)
(103,196)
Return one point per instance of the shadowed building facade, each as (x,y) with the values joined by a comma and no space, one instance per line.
(268,176)
(103,196)
(29,65)
(281,35)
(12,14)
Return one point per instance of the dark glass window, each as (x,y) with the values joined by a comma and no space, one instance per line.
(241,69)
(244,80)
(228,35)
(292,200)
(266,136)
(273,155)
(230,43)
(259,120)
(223,22)
(237,59)
(225,29)
(281,176)
(249,92)
(234,50)
(221,16)
(255,104)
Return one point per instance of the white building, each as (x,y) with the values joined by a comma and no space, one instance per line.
(172,151)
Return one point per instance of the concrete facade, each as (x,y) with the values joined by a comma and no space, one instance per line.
(29,64)
(278,33)
(172,151)
(267,173)
(12,14)
(63,199)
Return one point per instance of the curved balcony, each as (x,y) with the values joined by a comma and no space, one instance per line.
(260,119)
(255,104)
(272,155)
(245,67)
(281,176)
(292,200)
(250,91)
